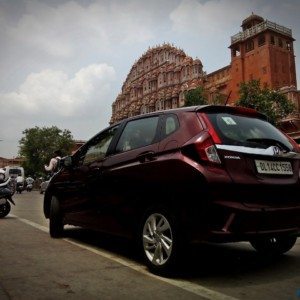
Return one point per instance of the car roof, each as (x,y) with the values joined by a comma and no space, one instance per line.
(203,108)
(198,108)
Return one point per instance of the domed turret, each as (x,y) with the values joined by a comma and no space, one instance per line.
(251,21)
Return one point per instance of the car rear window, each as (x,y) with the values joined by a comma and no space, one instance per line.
(247,131)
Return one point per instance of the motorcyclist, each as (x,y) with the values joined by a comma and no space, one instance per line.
(20,183)
(2,175)
(29,180)
(5,195)
(29,183)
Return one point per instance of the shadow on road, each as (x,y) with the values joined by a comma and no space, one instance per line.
(206,261)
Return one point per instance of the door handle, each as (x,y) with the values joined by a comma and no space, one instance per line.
(146,156)
(97,170)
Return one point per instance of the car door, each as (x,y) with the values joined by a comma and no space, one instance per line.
(86,179)
(126,171)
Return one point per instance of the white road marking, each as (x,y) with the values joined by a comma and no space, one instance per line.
(183,284)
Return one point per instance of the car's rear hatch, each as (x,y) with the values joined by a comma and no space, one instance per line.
(251,149)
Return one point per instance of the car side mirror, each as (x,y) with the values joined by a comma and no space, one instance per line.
(67,162)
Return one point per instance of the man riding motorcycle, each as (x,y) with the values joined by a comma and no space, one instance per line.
(5,195)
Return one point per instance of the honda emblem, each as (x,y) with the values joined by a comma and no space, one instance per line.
(276,150)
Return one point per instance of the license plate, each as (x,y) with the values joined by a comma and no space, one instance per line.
(274,167)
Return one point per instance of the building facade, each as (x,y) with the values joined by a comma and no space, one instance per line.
(157,81)
(263,50)
(17,161)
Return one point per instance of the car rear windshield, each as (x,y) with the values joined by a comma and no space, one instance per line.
(247,131)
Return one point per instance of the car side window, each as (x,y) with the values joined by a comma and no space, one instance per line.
(138,133)
(171,124)
(99,146)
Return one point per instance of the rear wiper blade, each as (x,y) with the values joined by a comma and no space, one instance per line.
(269,142)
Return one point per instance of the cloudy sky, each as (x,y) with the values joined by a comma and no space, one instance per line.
(63,62)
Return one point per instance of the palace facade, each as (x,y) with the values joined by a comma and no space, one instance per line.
(262,50)
(157,81)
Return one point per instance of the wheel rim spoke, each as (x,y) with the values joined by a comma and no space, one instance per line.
(166,239)
(160,222)
(166,247)
(157,255)
(164,227)
(148,239)
(153,223)
(150,229)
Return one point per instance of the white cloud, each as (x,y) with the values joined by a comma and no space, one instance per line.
(53,94)
(209,18)
(65,29)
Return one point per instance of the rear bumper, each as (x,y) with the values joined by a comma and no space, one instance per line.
(236,217)
(231,221)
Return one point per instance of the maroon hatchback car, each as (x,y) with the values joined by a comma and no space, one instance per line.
(207,173)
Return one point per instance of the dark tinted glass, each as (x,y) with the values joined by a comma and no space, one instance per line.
(99,146)
(138,133)
(247,131)
(15,172)
(171,124)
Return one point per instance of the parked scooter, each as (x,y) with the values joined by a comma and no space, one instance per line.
(5,195)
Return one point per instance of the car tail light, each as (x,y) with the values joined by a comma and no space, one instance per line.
(207,150)
(211,129)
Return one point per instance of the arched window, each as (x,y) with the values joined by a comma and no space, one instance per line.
(174,102)
(249,45)
(144,109)
(159,105)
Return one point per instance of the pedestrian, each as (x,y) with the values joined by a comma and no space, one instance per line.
(54,162)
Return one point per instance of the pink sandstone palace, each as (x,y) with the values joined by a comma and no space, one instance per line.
(262,50)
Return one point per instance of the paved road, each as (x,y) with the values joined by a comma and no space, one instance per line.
(88,265)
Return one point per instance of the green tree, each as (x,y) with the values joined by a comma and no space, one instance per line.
(273,104)
(38,144)
(219,99)
(195,97)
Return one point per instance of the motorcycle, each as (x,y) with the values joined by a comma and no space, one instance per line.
(29,187)
(5,195)
(20,187)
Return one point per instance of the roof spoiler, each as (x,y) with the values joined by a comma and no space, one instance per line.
(231,109)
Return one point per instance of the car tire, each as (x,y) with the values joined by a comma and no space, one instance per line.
(160,242)
(274,246)
(56,225)
(5,209)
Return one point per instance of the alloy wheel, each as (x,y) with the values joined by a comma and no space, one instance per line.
(157,239)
